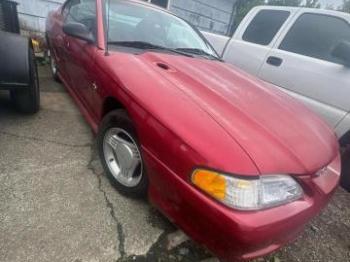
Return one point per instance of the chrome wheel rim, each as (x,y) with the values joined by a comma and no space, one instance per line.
(123,157)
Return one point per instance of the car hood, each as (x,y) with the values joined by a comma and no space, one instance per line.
(277,132)
(235,122)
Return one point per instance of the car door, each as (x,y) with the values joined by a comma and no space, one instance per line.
(56,37)
(302,64)
(81,54)
(255,37)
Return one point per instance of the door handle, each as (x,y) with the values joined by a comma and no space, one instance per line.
(275,61)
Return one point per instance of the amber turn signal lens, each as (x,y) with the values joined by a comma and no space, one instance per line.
(210,182)
(254,193)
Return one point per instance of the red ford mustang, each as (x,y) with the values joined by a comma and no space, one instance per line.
(238,165)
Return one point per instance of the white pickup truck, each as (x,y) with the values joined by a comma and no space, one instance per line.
(292,49)
(305,52)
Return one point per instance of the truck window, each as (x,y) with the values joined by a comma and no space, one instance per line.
(316,35)
(162,3)
(265,26)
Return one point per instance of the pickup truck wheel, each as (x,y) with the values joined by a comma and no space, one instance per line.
(345,178)
(54,69)
(28,100)
(120,154)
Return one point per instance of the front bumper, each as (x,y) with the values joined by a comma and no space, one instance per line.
(237,235)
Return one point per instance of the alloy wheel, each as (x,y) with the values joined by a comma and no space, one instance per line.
(123,157)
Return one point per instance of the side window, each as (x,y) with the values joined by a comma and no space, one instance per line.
(316,36)
(162,3)
(81,11)
(264,26)
(67,6)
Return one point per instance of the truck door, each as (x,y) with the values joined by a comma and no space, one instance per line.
(255,37)
(302,64)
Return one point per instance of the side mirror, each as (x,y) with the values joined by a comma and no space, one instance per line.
(342,52)
(78,30)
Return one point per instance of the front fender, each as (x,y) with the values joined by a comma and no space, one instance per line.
(14,65)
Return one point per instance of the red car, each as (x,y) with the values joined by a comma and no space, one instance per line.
(236,164)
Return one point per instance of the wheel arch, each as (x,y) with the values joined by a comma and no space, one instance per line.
(15,50)
(111,103)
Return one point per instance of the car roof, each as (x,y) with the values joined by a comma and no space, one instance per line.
(304,10)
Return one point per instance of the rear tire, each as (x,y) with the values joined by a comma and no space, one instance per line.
(119,120)
(28,100)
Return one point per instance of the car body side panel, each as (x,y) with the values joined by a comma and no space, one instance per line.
(56,41)
(80,67)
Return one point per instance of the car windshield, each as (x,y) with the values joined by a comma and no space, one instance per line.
(133,23)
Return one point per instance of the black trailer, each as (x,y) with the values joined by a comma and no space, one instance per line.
(18,69)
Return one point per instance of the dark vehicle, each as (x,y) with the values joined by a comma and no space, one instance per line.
(18,70)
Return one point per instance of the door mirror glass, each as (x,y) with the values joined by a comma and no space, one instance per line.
(79,31)
(342,52)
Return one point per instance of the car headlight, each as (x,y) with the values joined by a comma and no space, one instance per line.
(248,194)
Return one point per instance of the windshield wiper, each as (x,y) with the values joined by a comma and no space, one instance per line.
(147,45)
(197,51)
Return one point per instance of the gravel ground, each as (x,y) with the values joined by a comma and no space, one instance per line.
(57,205)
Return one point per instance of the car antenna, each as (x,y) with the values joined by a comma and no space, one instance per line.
(107,28)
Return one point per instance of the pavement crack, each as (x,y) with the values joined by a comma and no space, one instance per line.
(109,204)
(120,231)
(44,140)
(121,238)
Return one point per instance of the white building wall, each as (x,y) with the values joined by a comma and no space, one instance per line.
(32,13)
(208,15)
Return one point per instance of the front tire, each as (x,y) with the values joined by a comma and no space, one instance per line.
(120,154)
(28,100)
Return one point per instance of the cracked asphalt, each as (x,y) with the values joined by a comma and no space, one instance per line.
(57,205)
